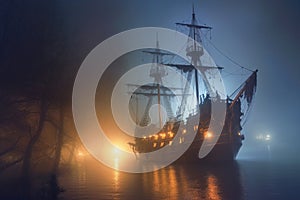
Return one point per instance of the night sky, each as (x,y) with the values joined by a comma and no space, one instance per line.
(258,34)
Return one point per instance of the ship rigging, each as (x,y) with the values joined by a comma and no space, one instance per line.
(231,137)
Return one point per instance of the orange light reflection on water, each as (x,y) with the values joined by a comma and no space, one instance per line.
(163,182)
(116,180)
(212,191)
(171,182)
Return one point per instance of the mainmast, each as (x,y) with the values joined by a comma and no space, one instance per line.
(194,50)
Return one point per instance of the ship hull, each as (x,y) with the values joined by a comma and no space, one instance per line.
(224,150)
(220,152)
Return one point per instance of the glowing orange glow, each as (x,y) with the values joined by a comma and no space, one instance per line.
(213,190)
(170,134)
(80,154)
(116,152)
(116,177)
(163,182)
(163,135)
(208,135)
(154,144)
(173,183)
(184,131)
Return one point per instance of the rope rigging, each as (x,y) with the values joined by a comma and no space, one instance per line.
(226,56)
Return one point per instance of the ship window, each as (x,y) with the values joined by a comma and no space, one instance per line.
(195,127)
(170,134)
(154,145)
(163,135)
(162,144)
(184,131)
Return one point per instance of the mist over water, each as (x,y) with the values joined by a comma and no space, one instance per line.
(243,179)
(279,150)
(53,37)
(246,178)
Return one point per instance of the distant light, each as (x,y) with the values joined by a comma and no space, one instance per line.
(116,152)
(80,154)
(262,137)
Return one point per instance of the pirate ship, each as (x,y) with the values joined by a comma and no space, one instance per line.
(197,120)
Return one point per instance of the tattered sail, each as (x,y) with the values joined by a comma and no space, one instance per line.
(250,87)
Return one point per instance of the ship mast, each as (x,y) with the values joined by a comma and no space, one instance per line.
(195,51)
(157,71)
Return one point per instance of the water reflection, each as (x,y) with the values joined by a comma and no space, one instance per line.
(195,182)
(116,175)
(212,191)
(91,180)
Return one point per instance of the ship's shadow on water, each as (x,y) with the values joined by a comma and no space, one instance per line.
(201,181)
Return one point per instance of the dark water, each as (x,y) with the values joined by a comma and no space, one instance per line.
(241,180)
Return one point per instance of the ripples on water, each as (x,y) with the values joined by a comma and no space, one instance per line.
(242,180)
